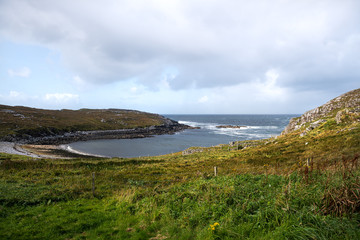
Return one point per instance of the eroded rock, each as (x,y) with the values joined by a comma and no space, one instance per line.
(349,100)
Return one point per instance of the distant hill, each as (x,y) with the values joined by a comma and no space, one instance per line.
(19,123)
(343,108)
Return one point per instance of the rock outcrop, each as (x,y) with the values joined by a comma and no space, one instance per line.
(41,126)
(53,139)
(230,126)
(192,151)
(337,107)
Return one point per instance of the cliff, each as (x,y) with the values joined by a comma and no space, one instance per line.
(343,108)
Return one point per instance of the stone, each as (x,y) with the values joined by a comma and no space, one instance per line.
(191,151)
(315,124)
(231,144)
(230,126)
(303,134)
(348,100)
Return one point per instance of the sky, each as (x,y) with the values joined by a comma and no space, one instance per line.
(179,56)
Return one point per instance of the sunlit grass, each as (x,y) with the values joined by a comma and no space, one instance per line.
(288,187)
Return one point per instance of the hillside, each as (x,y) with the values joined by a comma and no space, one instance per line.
(304,184)
(343,108)
(32,125)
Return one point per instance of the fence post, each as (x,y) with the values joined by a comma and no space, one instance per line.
(215,171)
(93,183)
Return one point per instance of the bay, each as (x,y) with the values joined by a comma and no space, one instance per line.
(258,126)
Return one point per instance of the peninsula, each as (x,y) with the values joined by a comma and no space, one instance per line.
(38,126)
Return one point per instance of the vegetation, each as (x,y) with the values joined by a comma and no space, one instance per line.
(301,185)
(20,121)
(289,187)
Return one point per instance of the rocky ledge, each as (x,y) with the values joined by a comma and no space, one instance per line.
(170,127)
(339,108)
(230,126)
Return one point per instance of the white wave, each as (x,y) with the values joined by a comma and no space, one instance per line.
(243,133)
(246,135)
(263,127)
(249,132)
(234,132)
(199,124)
(214,125)
(192,124)
(71,150)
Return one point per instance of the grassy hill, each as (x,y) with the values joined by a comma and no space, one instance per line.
(304,184)
(18,121)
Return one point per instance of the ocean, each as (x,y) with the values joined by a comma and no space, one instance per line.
(256,127)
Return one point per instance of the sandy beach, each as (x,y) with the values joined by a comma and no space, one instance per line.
(42,151)
(14,148)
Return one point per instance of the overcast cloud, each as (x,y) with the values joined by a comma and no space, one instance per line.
(279,49)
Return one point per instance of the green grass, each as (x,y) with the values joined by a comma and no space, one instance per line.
(39,122)
(288,187)
(245,206)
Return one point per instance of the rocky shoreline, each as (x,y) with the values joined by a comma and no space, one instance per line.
(69,137)
(53,145)
(230,126)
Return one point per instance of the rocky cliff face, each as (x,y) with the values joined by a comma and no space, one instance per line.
(348,103)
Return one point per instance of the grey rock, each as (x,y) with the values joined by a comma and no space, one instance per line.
(192,151)
(315,124)
(168,128)
(303,134)
(348,100)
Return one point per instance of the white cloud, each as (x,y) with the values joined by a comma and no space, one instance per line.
(211,43)
(17,98)
(49,100)
(14,94)
(164,83)
(271,77)
(78,80)
(203,99)
(60,98)
(269,88)
(234,52)
(22,72)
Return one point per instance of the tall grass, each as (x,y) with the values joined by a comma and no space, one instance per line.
(283,188)
(244,206)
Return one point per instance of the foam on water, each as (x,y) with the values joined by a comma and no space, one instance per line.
(256,127)
(242,131)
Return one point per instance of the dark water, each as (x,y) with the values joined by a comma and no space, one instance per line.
(257,127)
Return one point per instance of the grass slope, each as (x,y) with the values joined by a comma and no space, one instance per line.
(289,187)
(39,122)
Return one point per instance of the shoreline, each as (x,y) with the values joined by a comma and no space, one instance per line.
(69,137)
(69,149)
(14,148)
(55,147)
(44,151)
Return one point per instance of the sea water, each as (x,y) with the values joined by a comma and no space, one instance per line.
(254,127)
